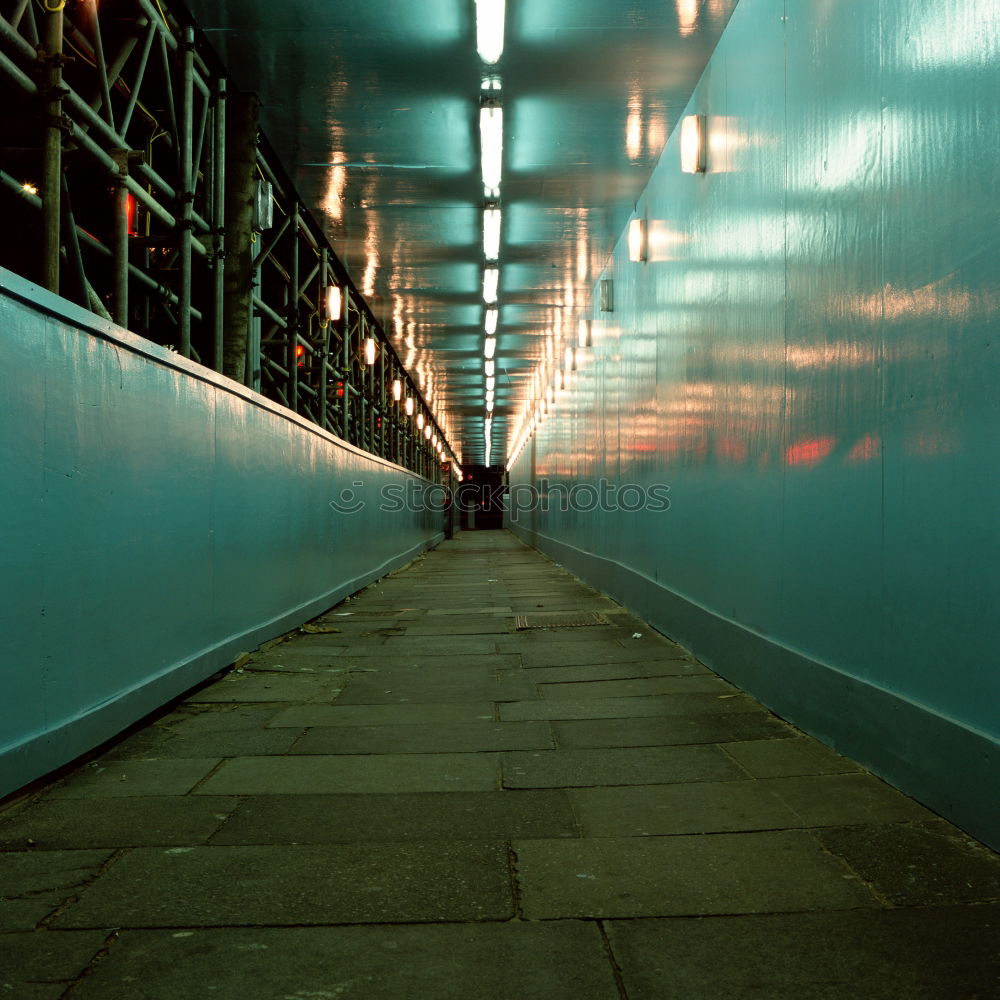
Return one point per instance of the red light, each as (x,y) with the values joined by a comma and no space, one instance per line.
(340,389)
(131,215)
(809,451)
(300,354)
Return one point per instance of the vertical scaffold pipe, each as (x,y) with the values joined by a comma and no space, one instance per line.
(186,214)
(241,170)
(52,55)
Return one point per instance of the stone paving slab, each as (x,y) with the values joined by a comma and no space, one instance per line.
(470,737)
(303,716)
(684,875)
(42,966)
(411,644)
(436,685)
(919,865)
(618,671)
(105,779)
(788,758)
(841,799)
(932,954)
(157,742)
(572,654)
(636,687)
(298,885)
(249,687)
(669,730)
(627,708)
(189,719)
(469,625)
(168,820)
(296,775)
(510,961)
(33,884)
(629,766)
(693,807)
(451,816)
(286,659)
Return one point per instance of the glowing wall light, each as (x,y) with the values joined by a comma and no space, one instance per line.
(637,240)
(491,282)
(490,347)
(584,334)
(397,390)
(693,144)
(490,367)
(427,432)
(491,383)
(370,350)
(334,303)
(491,139)
(409,406)
(489,406)
(492,315)
(420,421)
(491,233)
(490,16)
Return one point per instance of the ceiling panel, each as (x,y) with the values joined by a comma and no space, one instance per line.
(373,106)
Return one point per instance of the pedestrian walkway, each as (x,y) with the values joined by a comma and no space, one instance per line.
(479,779)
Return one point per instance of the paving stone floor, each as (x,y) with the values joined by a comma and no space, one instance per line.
(428,803)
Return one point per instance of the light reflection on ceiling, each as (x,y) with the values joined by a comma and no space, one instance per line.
(373,106)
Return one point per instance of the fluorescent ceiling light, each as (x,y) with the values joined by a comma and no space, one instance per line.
(491,368)
(490,396)
(489,29)
(491,138)
(492,315)
(491,233)
(490,347)
(489,406)
(491,281)
(491,383)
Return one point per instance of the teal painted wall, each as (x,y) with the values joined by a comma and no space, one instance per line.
(156,520)
(809,359)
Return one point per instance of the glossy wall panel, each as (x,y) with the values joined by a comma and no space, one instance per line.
(157,519)
(808,359)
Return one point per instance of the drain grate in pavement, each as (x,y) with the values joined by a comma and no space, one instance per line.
(555,619)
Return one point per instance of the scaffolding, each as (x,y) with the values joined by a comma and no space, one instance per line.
(135,182)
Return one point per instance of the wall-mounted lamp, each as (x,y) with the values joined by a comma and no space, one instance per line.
(409,406)
(489,347)
(491,383)
(334,303)
(693,144)
(490,368)
(584,335)
(489,406)
(420,421)
(397,390)
(427,432)
(637,241)
(570,360)
(370,351)
(607,295)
